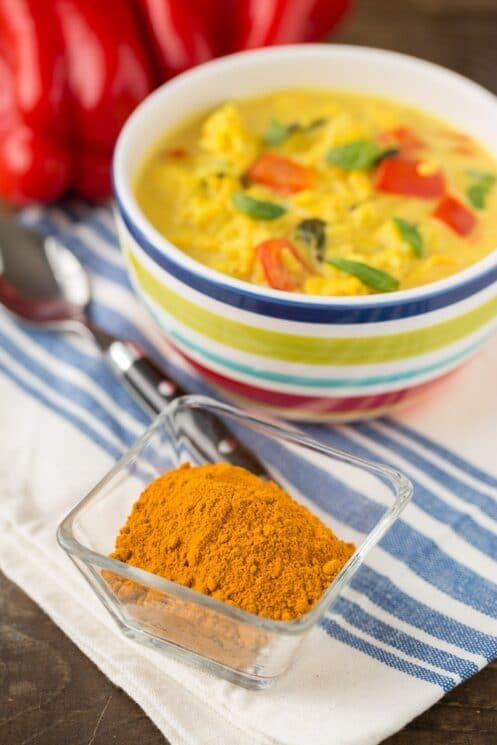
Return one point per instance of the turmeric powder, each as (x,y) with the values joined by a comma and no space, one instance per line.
(223,531)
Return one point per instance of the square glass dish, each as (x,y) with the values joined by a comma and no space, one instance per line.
(357,499)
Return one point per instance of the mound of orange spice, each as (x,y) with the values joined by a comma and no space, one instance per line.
(227,533)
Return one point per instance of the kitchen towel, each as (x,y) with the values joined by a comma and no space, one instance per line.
(419,617)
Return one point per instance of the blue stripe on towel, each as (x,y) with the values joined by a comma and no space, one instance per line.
(92,366)
(68,390)
(432,504)
(444,453)
(384,632)
(388,658)
(103,231)
(79,423)
(428,561)
(484,502)
(387,595)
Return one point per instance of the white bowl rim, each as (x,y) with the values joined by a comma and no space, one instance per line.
(126,199)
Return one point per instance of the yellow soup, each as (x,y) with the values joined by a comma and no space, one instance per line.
(323,192)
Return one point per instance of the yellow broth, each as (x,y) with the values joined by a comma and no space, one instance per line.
(186,188)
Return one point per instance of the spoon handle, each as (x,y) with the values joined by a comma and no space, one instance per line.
(152,390)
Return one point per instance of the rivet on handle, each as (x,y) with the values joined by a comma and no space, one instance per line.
(166,388)
(226,446)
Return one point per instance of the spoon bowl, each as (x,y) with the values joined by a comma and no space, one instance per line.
(56,287)
(43,284)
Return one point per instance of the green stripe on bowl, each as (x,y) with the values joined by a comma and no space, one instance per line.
(317,383)
(312,350)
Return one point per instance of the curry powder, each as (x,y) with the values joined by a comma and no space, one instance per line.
(227,533)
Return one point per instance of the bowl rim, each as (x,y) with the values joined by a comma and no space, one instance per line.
(139,225)
(402,489)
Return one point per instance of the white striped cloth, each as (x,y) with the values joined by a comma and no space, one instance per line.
(419,617)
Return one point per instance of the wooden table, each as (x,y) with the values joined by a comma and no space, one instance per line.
(50,693)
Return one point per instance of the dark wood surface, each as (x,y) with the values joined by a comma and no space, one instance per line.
(50,693)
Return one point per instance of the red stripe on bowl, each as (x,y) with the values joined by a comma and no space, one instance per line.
(310,403)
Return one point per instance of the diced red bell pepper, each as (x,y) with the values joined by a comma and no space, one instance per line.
(276,273)
(459,137)
(455,215)
(403,137)
(459,142)
(463,150)
(177,153)
(281,174)
(398,175)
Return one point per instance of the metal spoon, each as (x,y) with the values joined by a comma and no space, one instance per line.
(43,284)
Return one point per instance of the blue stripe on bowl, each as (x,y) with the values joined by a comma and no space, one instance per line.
(300,310)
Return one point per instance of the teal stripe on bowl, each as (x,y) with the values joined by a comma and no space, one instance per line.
(306,382)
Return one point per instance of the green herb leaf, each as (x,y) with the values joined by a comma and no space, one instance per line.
(410,234)
(478,192)
(374,278)
(477,195)
(354,156)
(312,232)
(256,208)
(316,123)
(491,178)
(277,132)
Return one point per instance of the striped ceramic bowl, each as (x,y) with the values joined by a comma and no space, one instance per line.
(307,357)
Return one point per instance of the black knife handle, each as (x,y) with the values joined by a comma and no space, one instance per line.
(152,390)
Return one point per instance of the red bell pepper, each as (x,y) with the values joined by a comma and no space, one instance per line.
(9,115)
(455,215)
(323,17)
(32,45)
(463,150)
(109,74)
(71,71)
(267,22)
(107,65)
(403,138)
(92,174)
(398,175)
(458,141)
(179,33)
(79,67)
(281,174)
(35,165)
(276,273)
(217,18)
